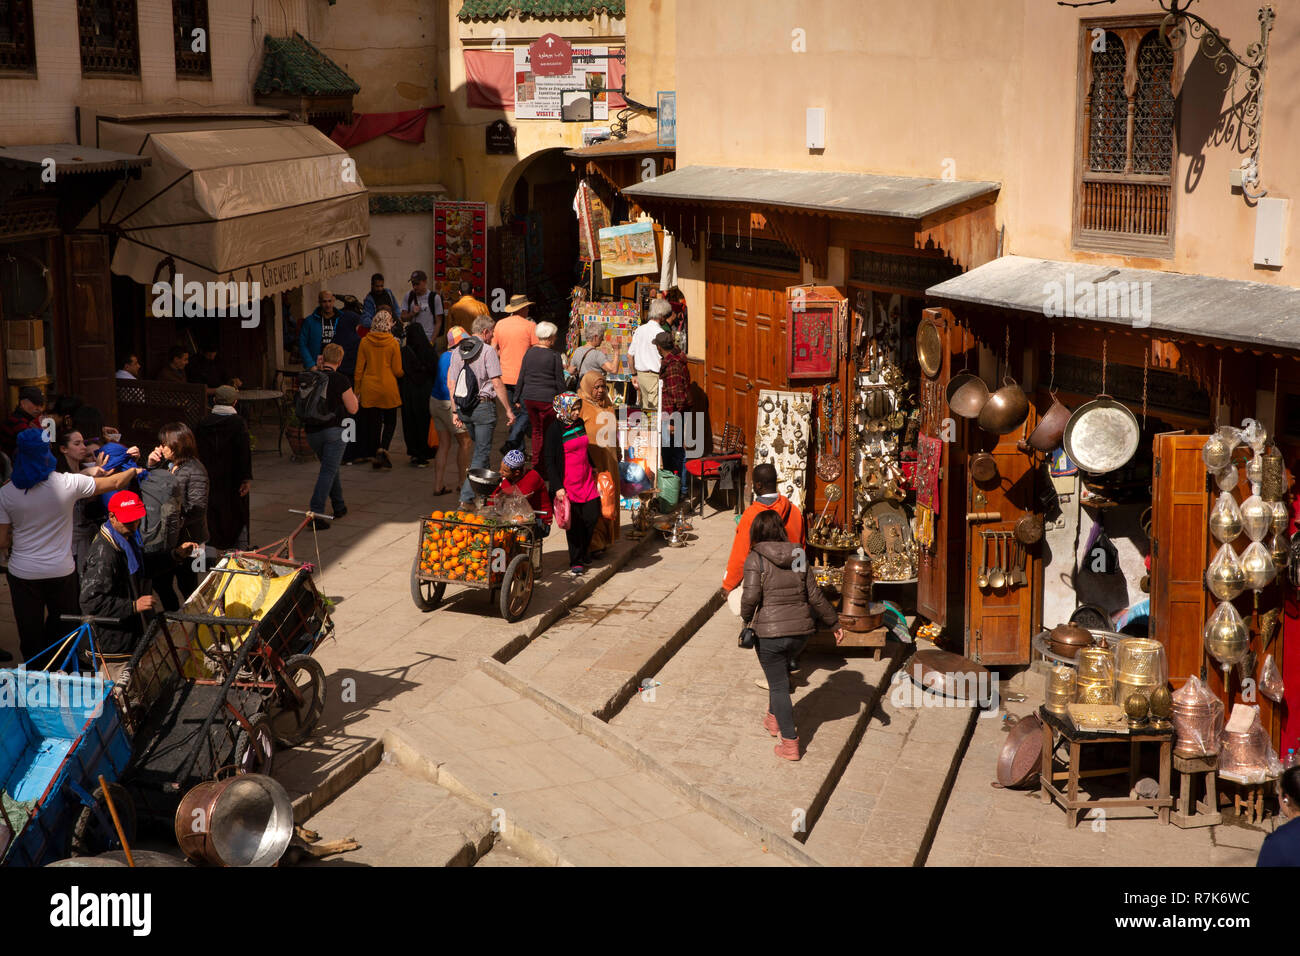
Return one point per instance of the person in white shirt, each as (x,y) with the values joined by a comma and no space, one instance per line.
(36,518)
(643,354)
(130,368)
(423,306)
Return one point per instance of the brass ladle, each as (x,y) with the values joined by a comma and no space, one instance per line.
(983,579)
(998,577)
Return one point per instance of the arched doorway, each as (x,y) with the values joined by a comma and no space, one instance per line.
(540,233)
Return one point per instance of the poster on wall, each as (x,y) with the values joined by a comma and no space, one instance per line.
(543,97)
(459,249)
(620,320)
(628,250)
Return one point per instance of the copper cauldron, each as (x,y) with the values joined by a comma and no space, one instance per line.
(1006,409)
(967,395)
(243,820)
(1046,436)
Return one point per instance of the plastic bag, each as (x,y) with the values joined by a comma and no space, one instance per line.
(562,515)
(1257,563)
(1256,517)
(511,505)
(1225,577)
(1198,720)
(1270,680)
(1227,478)
(1247,752)
(608,497)
(1225,519)
(1226,636)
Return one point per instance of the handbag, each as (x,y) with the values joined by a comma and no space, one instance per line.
(748,638)
(608,500)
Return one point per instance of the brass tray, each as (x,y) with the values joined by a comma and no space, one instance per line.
(1098,718)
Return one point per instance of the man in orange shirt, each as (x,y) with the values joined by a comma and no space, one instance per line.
(766,498)
(514,335)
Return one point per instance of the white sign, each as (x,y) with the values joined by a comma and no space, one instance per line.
(543,97)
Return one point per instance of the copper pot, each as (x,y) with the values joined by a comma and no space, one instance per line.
(868,619)
(1029,529)
(967,395)
(1046,436)
(983,467)
(1006,409)
(1068,639)
(243,820)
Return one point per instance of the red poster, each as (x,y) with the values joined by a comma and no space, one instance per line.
(814,345)
(459,249)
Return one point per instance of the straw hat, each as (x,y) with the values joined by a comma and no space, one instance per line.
(518,302)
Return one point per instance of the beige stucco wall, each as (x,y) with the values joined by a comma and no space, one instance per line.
(990,84)
(651,54)
(41,109)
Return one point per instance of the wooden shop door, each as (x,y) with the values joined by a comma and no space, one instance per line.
(745,345)
(91,363)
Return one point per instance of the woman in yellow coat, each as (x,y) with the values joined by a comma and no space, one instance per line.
(379,366)
(601,419)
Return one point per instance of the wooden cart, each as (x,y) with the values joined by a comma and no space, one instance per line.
(476,552)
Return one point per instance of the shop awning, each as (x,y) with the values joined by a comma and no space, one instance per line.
(830,194)
(1164,303)
(70,159)
(241,198)
(635,144)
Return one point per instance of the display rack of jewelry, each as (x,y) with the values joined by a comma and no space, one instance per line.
(783,437)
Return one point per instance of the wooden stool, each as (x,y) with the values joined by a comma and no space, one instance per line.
(1247,798)
(1205,813)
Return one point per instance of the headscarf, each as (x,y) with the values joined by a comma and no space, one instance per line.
(33,460)
(513,459)
(596,415)
(382,322)
(118,458)
(566,407)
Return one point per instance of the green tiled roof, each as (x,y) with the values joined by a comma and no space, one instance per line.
(292,65)
(540,9)
(390,203)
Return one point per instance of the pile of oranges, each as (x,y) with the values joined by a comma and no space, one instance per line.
(462,551)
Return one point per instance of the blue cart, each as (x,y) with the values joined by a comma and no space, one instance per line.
(58,734)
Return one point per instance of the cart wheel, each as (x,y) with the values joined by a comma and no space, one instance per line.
(517,588)
(255,752)
(93,833)
(427,595)
(294,719)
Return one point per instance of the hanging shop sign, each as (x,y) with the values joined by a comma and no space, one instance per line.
(667,117)
(628,250)
(460,248)
(500,139)
(592,217)
(580,93)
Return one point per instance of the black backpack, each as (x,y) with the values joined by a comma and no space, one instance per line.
(163,511)
(465,395)
(312,404)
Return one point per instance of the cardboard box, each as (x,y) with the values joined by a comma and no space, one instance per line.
(25,363)
(24,334)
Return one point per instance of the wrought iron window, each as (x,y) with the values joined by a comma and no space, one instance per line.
(757,253)
(17,46)
(1124,195)
(110,43)
(190,26)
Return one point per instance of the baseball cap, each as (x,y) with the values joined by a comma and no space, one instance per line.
(126,507)
(226,395)
(30,393)
(454,335)
(418,276)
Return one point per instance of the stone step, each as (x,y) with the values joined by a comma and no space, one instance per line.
(558,795)
(703,720)
(627,629)
(503,854)
(437,828)
(887,804)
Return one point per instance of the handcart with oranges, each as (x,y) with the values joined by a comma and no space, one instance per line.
(476,551)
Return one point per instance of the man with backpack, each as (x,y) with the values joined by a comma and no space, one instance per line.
(474,377)
(325,398)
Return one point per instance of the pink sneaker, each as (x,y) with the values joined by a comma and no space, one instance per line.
(769,724)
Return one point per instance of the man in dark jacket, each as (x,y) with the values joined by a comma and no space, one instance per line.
(113,578)
(227,454)
(329,324)
(27,414)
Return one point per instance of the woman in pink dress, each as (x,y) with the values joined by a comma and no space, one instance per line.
(571,478)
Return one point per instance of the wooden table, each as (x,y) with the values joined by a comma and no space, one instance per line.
(1069,800)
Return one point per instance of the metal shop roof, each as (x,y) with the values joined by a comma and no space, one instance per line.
(632,145)
(1229,310)
(839,194)
(69,158)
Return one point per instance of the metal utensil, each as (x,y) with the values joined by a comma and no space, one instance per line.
(982,580)
(998,576)
(832,495)
(1102,436)
(1018,576)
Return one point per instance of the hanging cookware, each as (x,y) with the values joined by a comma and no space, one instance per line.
(929,348)
(1046,436)
(1005,410)
(1102,436)
(1029,529)
(966,392)
(983,467)
(998,576)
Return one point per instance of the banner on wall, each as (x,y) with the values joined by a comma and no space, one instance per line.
(543,97)
(459,249)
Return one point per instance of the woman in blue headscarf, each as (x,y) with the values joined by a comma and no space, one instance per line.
(36,522)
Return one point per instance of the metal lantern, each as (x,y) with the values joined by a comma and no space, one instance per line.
(1216,453)
(1257,563)
(1256,517)
(1225,577)
(1272,475)
(1281,520)
(1281,549)
(1226,636)
(1225,519)
(1255,469)
(1227,478)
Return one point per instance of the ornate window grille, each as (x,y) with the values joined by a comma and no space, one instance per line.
(110,43)
(188,16)
(17,46)
(1124,196)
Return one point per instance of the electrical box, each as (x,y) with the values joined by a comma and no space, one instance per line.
(1270,231)
(816,127)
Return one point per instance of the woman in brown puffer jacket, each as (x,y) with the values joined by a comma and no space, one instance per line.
(783,604)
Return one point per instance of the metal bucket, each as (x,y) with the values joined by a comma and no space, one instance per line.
(244,820)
